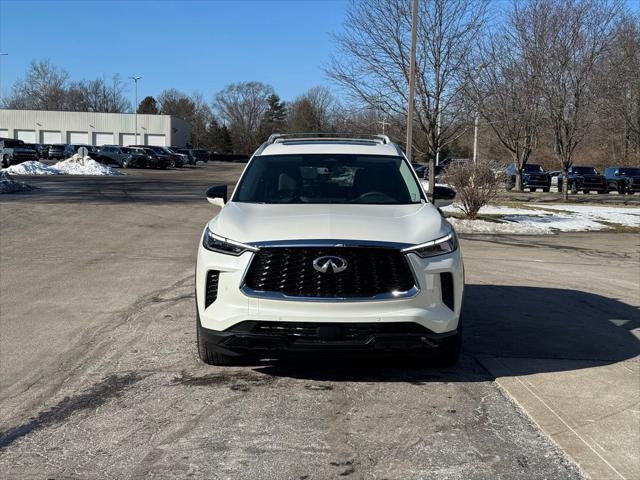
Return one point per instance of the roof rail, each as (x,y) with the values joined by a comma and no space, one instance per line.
(346,137)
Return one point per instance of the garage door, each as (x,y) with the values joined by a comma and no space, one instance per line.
(78,137)
(50,136)
(27,136)
(156,140)
(102,139)
(129,139)
(4,133)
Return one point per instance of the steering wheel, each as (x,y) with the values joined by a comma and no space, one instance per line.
(381,195)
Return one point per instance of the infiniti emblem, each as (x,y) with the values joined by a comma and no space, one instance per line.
(330,264)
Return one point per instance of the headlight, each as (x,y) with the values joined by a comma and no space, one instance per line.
(440,246)
(219,244)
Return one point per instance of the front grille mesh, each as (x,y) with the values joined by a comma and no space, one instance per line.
(446,285)
(289,271)
(211,292)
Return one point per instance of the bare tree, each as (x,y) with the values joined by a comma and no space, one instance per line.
(373,62)
(44,87)
(312,111)
(504,91)
(98,96)
(242,107)
(565,40)
(620,95)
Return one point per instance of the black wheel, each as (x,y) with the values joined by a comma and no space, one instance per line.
(209,356)
(559,187)
(586,192)
(546,189)
(532,189)
(5,161)
(125,164)
(622,190)
(172,163)
(602,192)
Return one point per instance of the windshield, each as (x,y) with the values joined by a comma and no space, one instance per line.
(629,171)
(533,168)
(329,179)
(584,170)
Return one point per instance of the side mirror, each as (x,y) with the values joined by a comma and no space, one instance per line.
(217,195)
(443,196)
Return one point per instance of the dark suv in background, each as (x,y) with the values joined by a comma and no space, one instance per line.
(71,149)
(623,179)
(164,154)
(15,151)
(584,179)
(56,152)
(200,154)
(533,177)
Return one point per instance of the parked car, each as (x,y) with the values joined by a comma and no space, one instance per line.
(189,153)
(584,179)
(165,154)
(56,152)
(183,158)
(623,179)
(45,151)
(420,169)
(533,177)
(134,158)
(200,154)
(340,247)
(14,151)
(152,159)
(73,148)
(39,149)
(112,154)
(554,177)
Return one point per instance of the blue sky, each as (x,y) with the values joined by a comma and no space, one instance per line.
(189,45)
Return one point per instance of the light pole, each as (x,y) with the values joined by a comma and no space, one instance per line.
(412,78)
(135,136)
(475,139)
(1,55)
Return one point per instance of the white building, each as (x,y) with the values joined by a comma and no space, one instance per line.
(48,127)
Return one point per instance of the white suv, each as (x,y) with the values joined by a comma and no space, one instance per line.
(327,245)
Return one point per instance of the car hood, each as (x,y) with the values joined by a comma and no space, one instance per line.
(251,222)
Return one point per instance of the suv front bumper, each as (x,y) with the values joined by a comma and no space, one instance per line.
(426,308)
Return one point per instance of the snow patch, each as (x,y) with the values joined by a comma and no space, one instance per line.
(9,185)
(76,165)
(547,219)
(31,168)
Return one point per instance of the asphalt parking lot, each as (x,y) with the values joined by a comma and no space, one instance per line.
(100,377)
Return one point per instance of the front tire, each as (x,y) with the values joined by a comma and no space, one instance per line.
(5,161)
(532,189)
(546,189)
(209,356)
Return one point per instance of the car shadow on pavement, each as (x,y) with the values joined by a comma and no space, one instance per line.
(576,328)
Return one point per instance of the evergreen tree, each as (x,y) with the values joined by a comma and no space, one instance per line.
(148,105)
(274,119)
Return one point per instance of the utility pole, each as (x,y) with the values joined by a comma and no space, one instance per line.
(384,123)
(412,79)
(1,55)
(135,136)
(475,139)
